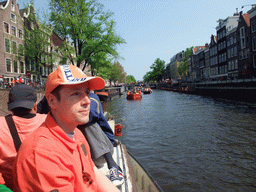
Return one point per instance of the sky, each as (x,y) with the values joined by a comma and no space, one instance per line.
(161,28)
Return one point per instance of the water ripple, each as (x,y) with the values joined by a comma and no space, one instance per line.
(190,142)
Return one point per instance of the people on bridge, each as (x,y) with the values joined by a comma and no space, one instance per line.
(16,127)
(56,157)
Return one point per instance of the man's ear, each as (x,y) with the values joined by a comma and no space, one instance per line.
(35,107)
(51,99)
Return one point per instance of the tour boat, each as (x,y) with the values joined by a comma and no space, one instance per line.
(133,96)
(136,178)
(147,90)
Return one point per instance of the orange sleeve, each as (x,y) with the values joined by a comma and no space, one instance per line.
(1,179)
(42,171)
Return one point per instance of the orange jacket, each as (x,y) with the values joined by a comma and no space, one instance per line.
(7,149)
(51,161)
(1,179)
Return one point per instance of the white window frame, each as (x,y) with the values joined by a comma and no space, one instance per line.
(5,45)
(16,47)
(21,33)
(23,67)
(13,17)
(12,7)
(14,67)
(12,31)
(8,28)
(10,65)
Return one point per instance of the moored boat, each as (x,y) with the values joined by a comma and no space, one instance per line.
(147,90)
(103,96)
(133,96)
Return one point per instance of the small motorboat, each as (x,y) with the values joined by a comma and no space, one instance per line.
(133,95)
(147,90)
(103,96)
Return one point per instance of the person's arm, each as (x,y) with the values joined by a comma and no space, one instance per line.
(104,184)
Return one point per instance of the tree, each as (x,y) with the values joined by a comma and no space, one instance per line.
(147,77)
(117,73)
(90,28)
(183,66)
(37,42)
(158,71)
(130,79)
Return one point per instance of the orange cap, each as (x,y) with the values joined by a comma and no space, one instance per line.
(70,75)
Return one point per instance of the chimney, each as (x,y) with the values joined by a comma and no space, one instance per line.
(236,13)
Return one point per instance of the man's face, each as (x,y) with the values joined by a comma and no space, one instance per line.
(74,105)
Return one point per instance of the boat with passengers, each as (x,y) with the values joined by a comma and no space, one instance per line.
(134,94)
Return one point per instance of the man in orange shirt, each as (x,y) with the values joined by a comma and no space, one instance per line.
(23,105)
(56,157)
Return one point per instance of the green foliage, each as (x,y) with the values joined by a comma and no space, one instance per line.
(90,29)
(130,79)
(158,71)
(183,66)
(37,41)
(117,73)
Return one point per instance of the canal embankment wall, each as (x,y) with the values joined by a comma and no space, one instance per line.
(241,89)
(4,94)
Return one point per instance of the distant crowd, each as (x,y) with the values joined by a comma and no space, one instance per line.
(5,83)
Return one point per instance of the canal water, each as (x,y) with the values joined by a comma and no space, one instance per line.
(190,142)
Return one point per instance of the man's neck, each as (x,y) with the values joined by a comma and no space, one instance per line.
(25,115)
(67,128)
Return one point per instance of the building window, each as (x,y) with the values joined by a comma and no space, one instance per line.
(20,33)
(254,43)
(14,47)
(6,27)
(22,67)
(7,45)
(13,17)
(235,51)
(253,26)
(13,30)
(254,60)
(232,52)
(233,64)
(15,66)
(242,38)
(13,9)
(8,65)
(231,40)
(21,50)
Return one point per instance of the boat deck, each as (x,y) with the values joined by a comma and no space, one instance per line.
(136,178)
(121,160)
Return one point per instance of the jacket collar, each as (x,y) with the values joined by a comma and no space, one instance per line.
(58,132)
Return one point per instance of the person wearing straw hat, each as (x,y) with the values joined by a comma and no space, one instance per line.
(56,157)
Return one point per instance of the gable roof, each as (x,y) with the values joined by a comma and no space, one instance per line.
(247,19)
(3,3)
